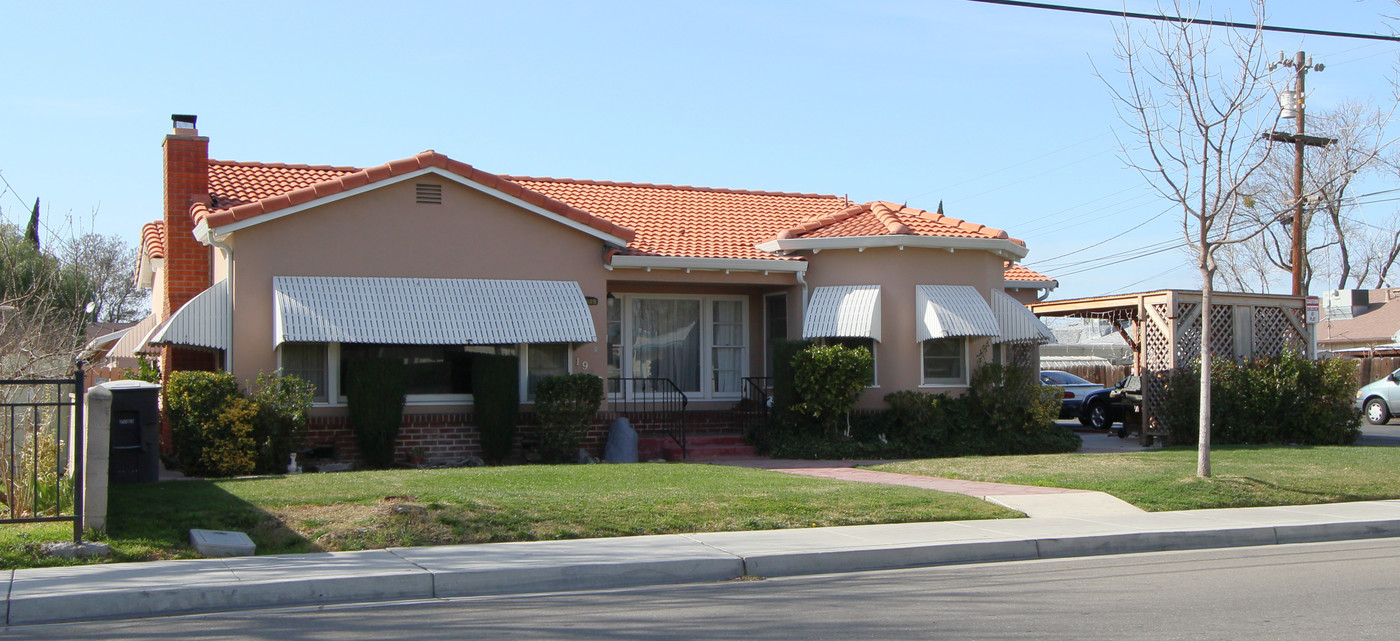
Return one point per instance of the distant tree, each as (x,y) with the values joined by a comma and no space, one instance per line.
(1196,121)
(109,264)
(1339,243)
(42,309)
(31,233)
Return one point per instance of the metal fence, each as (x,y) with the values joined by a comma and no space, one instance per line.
(41,451)
(650,404)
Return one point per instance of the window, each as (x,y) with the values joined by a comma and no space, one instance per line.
(435,373)
(944,361)
(852,343)
(666,341)
(543,360)
(700,343)
(727,346)
(308,362)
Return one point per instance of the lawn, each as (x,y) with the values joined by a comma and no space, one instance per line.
(1163,480)
(362,510)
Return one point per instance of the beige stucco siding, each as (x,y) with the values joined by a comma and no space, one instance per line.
(897,272)
(385,233)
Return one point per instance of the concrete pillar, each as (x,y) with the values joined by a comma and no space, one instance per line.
(97,451)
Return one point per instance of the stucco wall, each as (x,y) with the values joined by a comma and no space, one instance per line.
(385,233)
(898,355)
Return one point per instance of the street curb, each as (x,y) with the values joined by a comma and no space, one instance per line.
(135,590)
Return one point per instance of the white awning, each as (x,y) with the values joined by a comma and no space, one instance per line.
(952,310)
(846,311)
(1017,323)
(131,343)
(429,311)
(202,322)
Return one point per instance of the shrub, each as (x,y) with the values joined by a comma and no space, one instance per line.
(228,445)
(783,352)
(1288,399)
(145,371)
(282,404)
(374,397)
(496,393)
(828,379)
(193,403)
(566,407)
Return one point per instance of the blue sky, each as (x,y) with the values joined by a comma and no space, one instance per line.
(995,111)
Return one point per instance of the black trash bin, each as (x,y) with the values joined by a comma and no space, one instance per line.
(135,432)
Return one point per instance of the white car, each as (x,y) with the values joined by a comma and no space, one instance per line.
(1075,388)
(1380,400)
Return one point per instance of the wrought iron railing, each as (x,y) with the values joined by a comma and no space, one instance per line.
(650,403)
(752,410)
(36,418)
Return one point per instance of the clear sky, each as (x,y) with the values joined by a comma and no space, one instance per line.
(995,111)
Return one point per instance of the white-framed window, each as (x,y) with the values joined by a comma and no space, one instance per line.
(852,343)
(944,361)
(435,374)
(700,343)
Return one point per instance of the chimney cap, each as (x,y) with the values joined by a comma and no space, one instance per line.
(183,121)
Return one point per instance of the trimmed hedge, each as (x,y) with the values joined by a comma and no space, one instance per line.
(1005,411)
(566,407)
(828,379)
(374,397)
(496,403)
(1281,400)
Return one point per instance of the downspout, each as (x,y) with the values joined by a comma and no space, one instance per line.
(228,260)
(802,280)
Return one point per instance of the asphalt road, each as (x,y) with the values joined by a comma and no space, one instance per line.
(1315,591)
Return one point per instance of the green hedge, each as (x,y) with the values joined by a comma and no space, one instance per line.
(374,397)
(1288,399)
(496,403)
(1005,411)
(566,407)
(218,432)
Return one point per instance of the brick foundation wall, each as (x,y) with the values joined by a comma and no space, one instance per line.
(449,437)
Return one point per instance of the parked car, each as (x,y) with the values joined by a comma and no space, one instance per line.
(1101,409)
(1380,400)
(1075,390)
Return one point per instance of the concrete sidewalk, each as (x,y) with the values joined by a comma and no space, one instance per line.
(130,590)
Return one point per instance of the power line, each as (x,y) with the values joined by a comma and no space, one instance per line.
(1209,23)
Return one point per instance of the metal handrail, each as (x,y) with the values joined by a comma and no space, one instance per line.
(657,398)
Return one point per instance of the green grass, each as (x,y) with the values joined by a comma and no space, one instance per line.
(1166,479)
(362,510)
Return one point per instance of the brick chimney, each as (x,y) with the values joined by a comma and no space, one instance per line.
(188,268)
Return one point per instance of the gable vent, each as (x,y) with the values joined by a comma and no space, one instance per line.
(429,194)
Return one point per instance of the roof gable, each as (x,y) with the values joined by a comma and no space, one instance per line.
(263,184)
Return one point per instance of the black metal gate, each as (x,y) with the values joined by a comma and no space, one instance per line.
(41,430)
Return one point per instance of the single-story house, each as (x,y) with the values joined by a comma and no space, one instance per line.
(258,267)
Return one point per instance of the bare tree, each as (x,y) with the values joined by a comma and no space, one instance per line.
(1338,244)
(1196,120)
(109,263)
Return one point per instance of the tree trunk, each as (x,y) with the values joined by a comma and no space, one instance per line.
(1203,446)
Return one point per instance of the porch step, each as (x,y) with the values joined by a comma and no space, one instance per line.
(698,448)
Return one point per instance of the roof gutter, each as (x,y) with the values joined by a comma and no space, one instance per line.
(709,264)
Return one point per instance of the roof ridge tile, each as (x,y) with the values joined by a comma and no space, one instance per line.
(281,165)
(714,190)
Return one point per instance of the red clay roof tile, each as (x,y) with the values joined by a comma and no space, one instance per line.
(153,239)
(1018,272)
(656,219)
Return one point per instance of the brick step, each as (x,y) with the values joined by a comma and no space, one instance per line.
(708,452)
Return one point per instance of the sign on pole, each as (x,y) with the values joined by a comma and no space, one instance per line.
(1313,307)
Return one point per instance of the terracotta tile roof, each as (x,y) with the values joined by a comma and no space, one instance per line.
(883,218)
(253,189)
(656,219)
(153,239)
(1018,272)
(684,221)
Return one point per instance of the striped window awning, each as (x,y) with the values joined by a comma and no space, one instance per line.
(202,322)
(134,341)
(850,311)
(952,310)
(429,311)
(1017,323)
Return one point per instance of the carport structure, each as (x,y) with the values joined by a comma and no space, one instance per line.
(1166,333)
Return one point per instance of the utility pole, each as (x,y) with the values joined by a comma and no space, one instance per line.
(1292,107)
